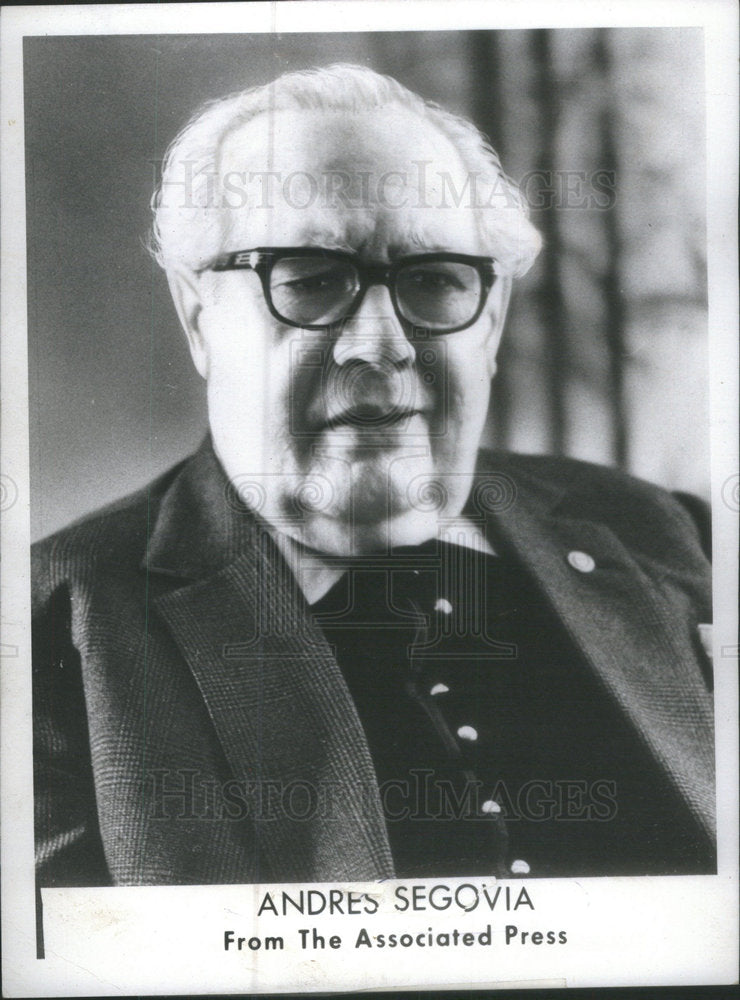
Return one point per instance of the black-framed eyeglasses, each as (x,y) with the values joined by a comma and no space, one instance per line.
(317,289)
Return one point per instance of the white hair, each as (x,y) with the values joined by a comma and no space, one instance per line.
(189,229)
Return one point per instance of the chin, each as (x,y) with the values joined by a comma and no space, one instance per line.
(337,537)
(376,515)
(390,500)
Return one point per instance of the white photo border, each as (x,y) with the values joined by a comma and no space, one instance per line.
(683,917)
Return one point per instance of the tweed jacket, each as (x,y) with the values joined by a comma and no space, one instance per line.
(174,659)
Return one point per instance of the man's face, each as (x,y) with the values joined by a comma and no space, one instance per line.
(363,437)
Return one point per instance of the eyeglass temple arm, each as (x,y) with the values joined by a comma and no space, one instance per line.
(240,259)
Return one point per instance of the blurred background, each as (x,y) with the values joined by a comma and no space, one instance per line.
(605,352)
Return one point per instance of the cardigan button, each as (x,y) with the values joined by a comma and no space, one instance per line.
(581,561)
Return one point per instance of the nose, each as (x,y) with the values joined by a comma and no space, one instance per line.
(374,334)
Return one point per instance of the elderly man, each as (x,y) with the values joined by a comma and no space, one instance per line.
(339,642)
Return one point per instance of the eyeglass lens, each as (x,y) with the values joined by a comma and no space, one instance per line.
(315,291)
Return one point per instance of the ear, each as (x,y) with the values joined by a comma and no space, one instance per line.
(187,297)
(498,304)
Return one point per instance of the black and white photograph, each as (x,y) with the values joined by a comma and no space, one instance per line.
(373,487)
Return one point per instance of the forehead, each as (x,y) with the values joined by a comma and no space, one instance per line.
(381,181)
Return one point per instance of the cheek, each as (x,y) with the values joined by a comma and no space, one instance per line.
(261,376)
(236,395)
(461,384)
(229,331)
(240,348)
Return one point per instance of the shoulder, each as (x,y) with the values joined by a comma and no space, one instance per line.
(572,475)
(634,508)
(115,535)
(585,483)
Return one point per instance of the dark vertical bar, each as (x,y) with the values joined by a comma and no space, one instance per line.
(551,302)
(40,952)
(487,111)
(614,330)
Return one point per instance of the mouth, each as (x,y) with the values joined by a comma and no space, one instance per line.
(369,418)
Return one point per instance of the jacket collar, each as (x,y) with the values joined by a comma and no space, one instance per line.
(276,697)
(201,524)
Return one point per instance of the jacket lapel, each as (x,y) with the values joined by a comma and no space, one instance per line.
(274,692)
(623,623)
